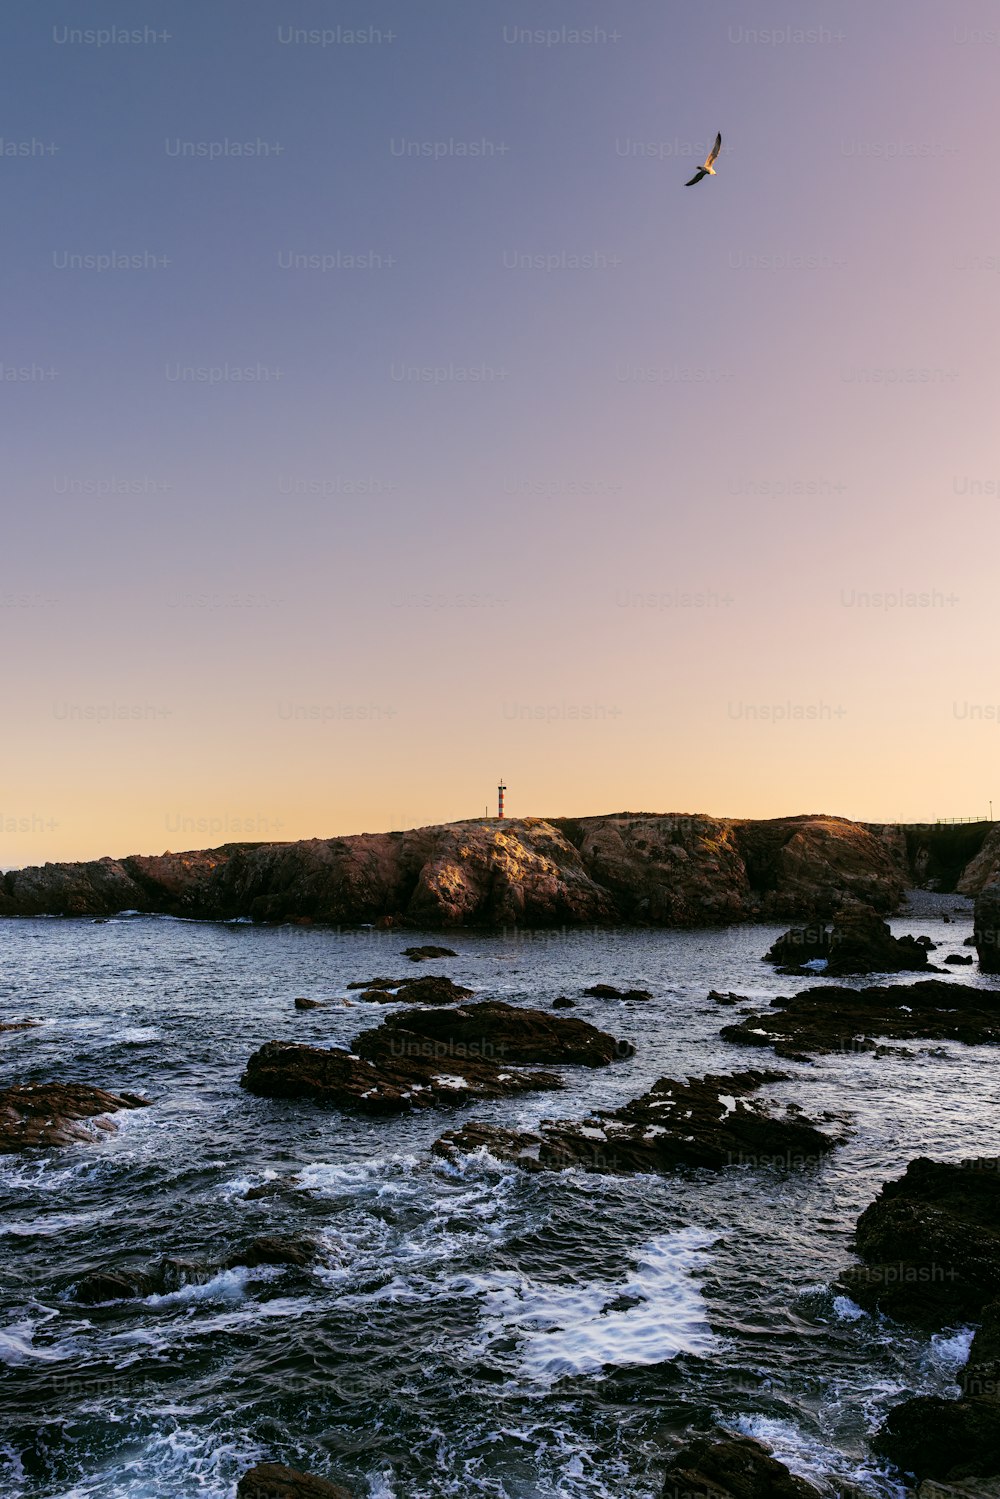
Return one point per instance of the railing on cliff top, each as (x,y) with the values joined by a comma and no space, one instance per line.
(943,821)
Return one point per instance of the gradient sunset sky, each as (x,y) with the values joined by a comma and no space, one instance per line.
(641,496)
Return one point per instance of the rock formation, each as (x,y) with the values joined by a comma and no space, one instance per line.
(987,928)
(705,1122)
(43,1114)
(393,1085)
(658,869)
(273,1481)
(127,1282)
(731,1468)
(858,941)
(930,1243)
(838,1019)
(493,1031)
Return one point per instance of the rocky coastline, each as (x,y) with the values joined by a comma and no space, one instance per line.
(653,869)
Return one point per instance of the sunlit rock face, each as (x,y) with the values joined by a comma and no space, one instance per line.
(645,868)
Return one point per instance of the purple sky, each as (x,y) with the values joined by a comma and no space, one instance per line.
(645,497)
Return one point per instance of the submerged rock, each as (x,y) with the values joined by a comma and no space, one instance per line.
(731,1468)
(43,1114)
(18,1025)
(309,1004)
(392,1085)
(273,1481)
(492,1030)
(562,1003)
(705,1122)
(839,1019)
(417,954)
(127,1283)
(858,941)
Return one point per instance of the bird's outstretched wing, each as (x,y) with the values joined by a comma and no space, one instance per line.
(715,150)
(696,178)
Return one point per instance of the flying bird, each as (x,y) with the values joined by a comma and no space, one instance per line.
(708,169)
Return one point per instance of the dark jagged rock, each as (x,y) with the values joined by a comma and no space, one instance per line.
(959,957)
(562,1003)
(378,983)
(858,941)
(706,1122)
(18,1025)
(429,989)
(492,1030)
(608,991)
(931,1246)
(127,1283)
(839,1019)
(275,1249)
(43,1114)
(728,999)
(393,1085)
(309,1004)
(273,1481)
(987,928)
(417,954)
(931,1437)
(731,1468)
(931,1243)
(277,1188)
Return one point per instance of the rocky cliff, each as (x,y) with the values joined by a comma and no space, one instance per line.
(633,868)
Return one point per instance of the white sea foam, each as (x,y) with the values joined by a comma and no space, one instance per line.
(569,1329)
(846,1309)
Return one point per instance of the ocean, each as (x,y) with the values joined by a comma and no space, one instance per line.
(474,1331)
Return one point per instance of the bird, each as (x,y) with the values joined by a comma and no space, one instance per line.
(708,169)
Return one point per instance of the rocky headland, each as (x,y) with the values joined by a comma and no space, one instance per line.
(663,869)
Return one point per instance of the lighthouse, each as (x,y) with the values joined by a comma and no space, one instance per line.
(500,791)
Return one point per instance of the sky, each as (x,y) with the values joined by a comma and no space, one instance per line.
(383,415)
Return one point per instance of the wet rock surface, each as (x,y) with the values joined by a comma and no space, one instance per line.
(418,954)
(608,991)
(393,1085)
(731,1468)
(858,941)
(492,1030)
(832,1018)
(711,1122)
(429,989)
(931,1243)
(170,1273)
(45,1114)
(274,1481)
(931,1249)
(987,928)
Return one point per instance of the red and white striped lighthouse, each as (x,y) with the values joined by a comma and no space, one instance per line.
(500,791)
